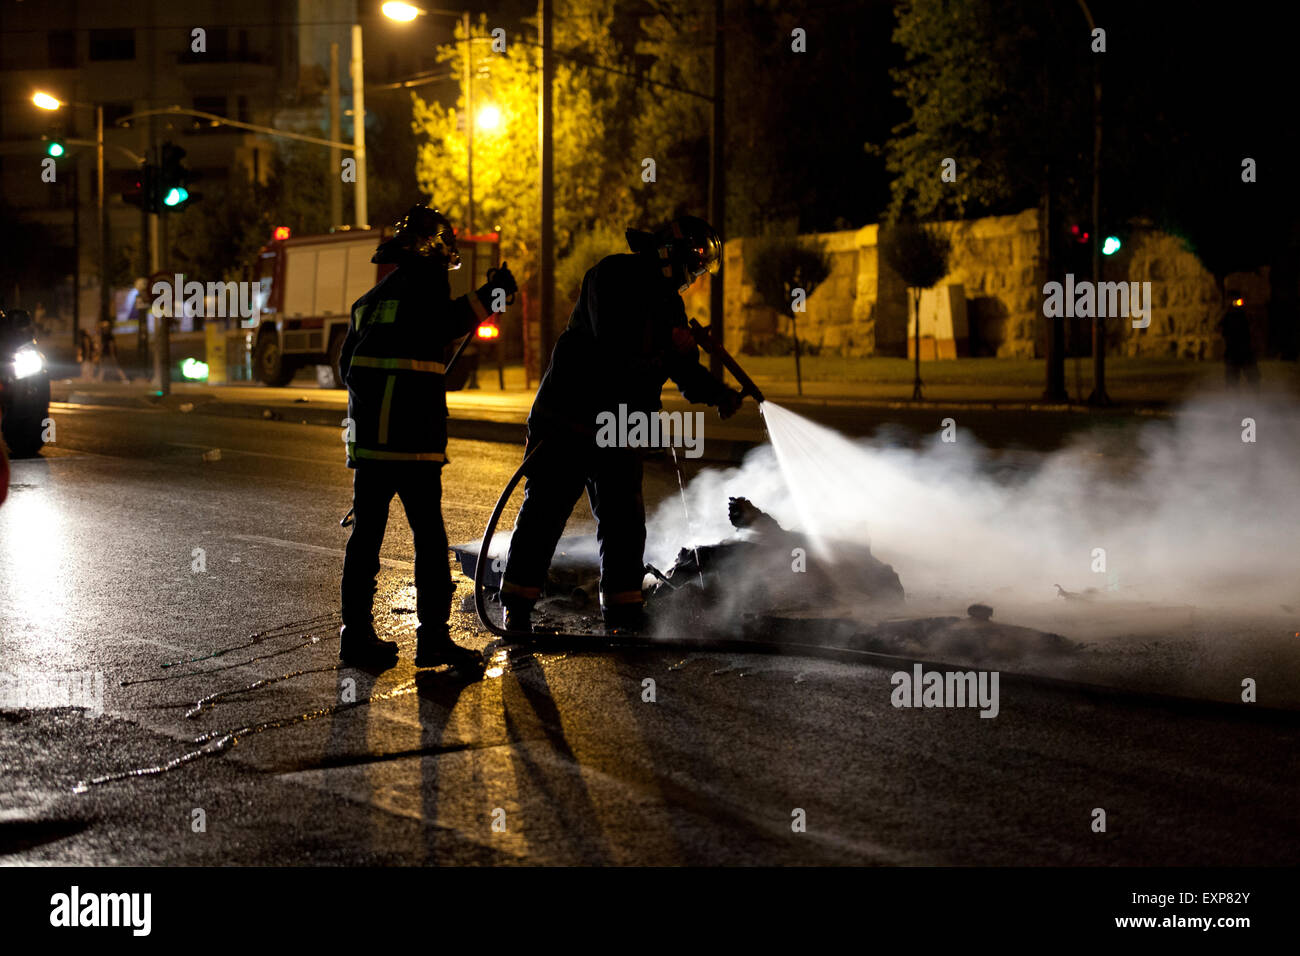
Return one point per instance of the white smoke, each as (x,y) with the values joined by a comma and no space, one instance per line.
(1186,511)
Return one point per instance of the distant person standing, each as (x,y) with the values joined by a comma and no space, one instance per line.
(1238,350)
(86,354)
(108,363)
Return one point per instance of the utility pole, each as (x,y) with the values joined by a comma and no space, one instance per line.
(336,181)
(717,183)
(546,273)
(76,262)
(1098,396)
(105,314)
(469,131)
(359,126)
(1055,389)
(162,358)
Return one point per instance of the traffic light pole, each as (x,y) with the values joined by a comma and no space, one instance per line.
(162,379)
(104,311)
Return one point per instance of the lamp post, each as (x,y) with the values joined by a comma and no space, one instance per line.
(402,12)
(1098,396)
(47,102)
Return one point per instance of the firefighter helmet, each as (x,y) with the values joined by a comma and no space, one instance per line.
(688,246)
(693,245)
(421,232)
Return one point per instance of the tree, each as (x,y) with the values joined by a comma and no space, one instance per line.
(777,267)
(919,254)
(505,159)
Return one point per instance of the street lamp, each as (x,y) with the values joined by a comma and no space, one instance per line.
(489,118)
(47,102)
(403,12)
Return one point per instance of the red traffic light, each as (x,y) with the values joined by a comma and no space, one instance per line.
(488,330)
(281,232)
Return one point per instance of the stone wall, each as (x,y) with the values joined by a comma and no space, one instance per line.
(863,307)
(1185,301)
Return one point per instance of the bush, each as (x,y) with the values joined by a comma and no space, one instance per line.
(775,266)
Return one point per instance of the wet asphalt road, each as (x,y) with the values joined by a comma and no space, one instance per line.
(555,758)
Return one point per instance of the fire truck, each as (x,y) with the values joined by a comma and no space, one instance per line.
(306,287)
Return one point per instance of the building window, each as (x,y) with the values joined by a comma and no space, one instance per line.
(62,47)
(112,44)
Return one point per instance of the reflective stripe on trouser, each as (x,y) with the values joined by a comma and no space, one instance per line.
(612,479)
(620,599)
(419,486)
(511,589)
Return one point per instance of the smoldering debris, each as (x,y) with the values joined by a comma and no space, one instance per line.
(1162,552)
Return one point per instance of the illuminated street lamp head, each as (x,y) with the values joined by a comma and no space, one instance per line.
(399,11)
(489,118)
(45,101)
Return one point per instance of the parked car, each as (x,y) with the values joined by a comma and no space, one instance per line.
(24,385)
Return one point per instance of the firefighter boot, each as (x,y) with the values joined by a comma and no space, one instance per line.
(517,615)
(360,646)
(625,618)
(434,646)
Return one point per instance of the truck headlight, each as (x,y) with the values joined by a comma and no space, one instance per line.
(27,361)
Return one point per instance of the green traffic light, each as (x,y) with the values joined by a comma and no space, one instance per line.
(1110,246)
(55,149)
(175,196)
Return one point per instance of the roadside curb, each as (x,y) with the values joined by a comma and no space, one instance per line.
(716,450)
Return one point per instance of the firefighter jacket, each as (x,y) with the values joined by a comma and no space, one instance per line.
(392,363)
(627,335)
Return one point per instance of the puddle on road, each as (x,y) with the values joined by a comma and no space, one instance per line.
(217,670)
(219,741)
(257,637)
(212,699)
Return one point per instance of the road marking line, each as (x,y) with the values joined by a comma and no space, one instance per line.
(316,549)
(257,454)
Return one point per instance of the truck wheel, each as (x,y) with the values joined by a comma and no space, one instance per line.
(269,363)
(336,353)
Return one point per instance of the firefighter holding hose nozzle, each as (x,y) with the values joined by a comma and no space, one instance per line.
(392,363)
(627,335)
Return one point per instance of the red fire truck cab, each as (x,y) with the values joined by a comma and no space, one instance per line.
(307,285)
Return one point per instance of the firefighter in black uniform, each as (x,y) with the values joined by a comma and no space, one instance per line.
(627,335)
(392,363)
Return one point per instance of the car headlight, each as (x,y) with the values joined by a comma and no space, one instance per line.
(27,361)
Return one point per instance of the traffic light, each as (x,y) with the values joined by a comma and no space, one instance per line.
(56,142)
(174,179)
(143,191)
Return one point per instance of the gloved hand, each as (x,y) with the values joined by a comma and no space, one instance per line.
(499,278)
(730,403)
